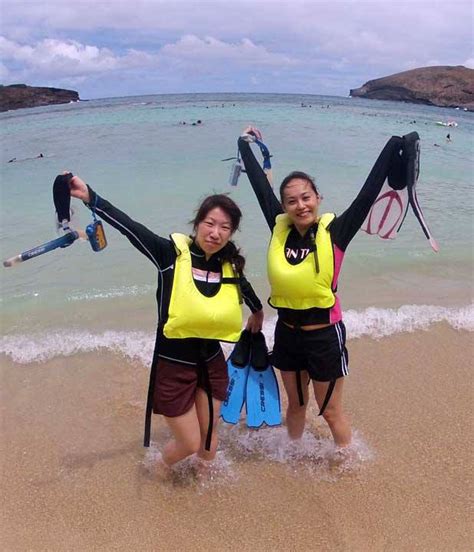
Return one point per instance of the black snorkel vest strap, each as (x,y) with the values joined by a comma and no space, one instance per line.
(299,387)
(208,390)
(313,249)
(151,390)
(327,398)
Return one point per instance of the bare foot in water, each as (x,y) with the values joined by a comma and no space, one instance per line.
(206,470)
(155,468)
(342,457)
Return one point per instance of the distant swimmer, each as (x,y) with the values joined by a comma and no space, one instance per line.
(14,159)
(448,137)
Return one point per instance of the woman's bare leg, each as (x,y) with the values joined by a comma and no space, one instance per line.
(202,409)
(186,437)
(295,413)
(334,413)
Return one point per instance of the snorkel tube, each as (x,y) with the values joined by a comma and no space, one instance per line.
(64,241)
(62,203)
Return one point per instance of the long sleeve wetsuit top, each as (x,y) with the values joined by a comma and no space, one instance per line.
(342,229)
(162,253)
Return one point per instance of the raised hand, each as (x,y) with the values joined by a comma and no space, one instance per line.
(252,131)
(79,189)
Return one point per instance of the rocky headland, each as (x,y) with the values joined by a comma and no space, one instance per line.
(17,96)
(443,86)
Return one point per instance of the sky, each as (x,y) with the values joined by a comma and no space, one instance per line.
(133,47)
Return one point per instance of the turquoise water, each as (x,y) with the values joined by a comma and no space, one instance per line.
(135,153)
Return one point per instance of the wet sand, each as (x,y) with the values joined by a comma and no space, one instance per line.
(75,475)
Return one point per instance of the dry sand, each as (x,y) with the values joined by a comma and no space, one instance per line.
(74,477)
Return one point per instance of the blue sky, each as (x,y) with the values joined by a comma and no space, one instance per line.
(121,48)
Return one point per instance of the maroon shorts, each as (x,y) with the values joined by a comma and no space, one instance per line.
(176,384)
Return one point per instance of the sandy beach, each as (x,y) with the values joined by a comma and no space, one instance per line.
(76,477)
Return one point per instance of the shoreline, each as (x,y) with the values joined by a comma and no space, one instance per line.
(76,477)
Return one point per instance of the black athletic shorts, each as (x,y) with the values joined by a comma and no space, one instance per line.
(322,352)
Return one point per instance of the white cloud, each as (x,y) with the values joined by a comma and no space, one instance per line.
(179,41)
(191,48)
(68,58)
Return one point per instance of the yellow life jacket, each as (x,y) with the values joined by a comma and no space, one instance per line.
(300,286)
(192,314)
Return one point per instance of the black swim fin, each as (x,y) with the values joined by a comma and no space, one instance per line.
(240,356)
(397,168)
(62,198)
(259,352)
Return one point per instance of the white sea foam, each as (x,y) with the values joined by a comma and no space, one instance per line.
(138,345)
(313,454)
(111,293)
(192,471)
(375,322)
(316,454)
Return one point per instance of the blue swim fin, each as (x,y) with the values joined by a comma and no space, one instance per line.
(262,398)
(232,406)
(238,370)
(262,394)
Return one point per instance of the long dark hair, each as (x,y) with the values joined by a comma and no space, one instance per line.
(302,176)
(230,252)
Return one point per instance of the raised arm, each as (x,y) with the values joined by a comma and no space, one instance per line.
(159,250)
(258,179)
(345,226)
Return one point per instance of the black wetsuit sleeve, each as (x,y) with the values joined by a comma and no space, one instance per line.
(160,251)
(345,227)
(269,203)
(249,295)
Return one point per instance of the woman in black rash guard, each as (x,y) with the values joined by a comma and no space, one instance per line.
(200,288)
(304,260)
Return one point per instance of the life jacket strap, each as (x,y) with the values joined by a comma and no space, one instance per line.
(299,387)
(151,390)
(149,404)
(208,389)
(230,281)
(327,398)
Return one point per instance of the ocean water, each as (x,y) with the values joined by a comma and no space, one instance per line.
(134,152)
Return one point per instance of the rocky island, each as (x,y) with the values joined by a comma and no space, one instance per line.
(443,86)
(17,96)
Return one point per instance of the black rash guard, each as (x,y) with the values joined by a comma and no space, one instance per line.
(342,229)
(162,254)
